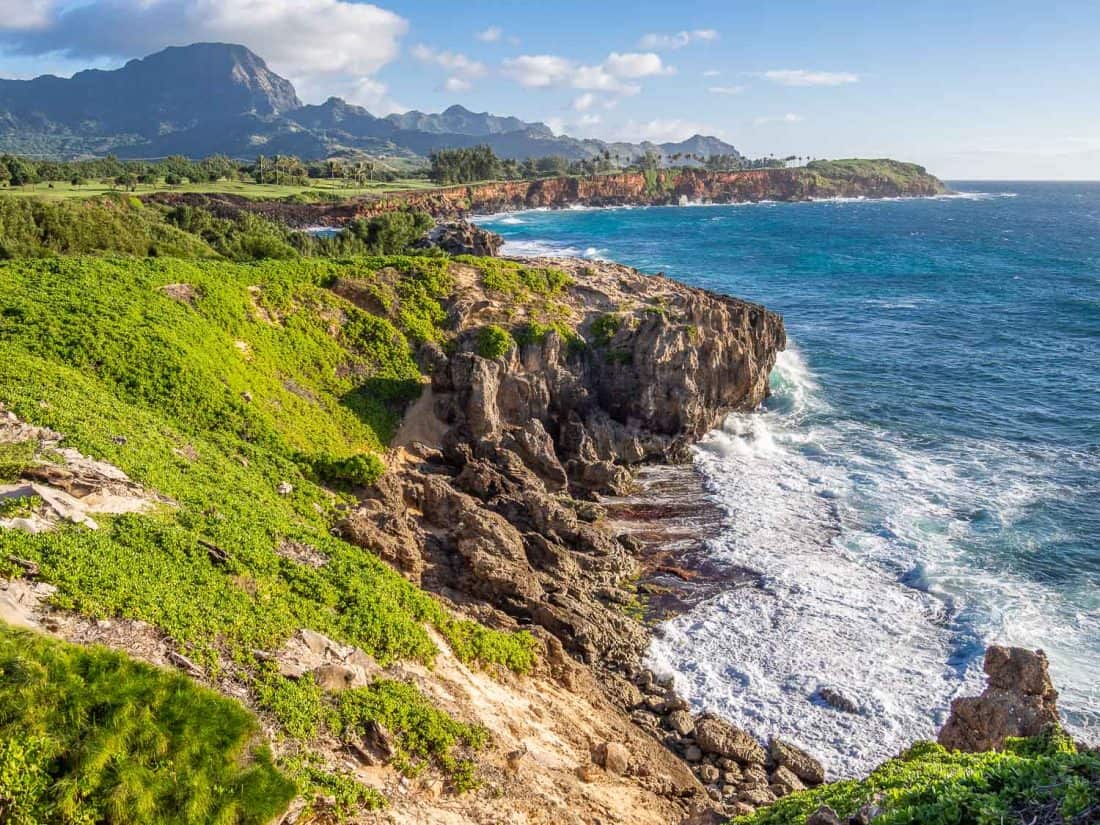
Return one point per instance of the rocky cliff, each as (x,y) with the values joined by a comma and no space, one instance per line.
(821,179)
(868,179)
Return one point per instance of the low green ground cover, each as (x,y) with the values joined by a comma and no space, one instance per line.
(1039,781)
(216,384)
(88,735)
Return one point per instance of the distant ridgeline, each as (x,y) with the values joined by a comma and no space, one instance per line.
(217,98)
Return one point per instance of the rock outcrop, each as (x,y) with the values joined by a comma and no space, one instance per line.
(1019,700)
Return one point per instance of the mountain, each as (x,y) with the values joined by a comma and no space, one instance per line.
(220,98)
(459,120)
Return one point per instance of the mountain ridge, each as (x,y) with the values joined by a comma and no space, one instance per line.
(222,98)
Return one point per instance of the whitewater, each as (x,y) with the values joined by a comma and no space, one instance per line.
(923,479)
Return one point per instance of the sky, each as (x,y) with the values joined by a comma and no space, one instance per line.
(971,89)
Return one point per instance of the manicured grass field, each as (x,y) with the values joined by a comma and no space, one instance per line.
(318,188)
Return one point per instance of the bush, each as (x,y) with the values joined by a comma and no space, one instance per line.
(391,233)
(604,328)
(1043,780)
(360,470)
(493,342)
(88,735)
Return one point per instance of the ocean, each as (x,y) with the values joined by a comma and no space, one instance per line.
(925,478)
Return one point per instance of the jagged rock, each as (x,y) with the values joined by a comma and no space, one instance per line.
(708,773)
(680,721)
(462,238)
(382,524)
(335,678)
(823,816)
(785,778)
(693,753)
(757,797)
(614,758)
(717,736)
(754,776)
(1019,700)
(797,761)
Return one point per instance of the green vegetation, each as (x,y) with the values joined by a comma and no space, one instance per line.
(14,459)
(604,328)
(124,225)
(494,342)
(252,395)
(518,281)
(1042,780)
(903,175)
(88,735)
(535,332)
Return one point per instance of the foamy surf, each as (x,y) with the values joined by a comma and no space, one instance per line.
(865,590)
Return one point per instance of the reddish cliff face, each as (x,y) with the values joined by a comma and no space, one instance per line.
(869,179)
(668,187)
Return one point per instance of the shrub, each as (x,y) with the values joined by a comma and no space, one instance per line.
(493,342)
(604,328)
(15,458)
(88,735)
(360,470)
(1032,780)
(391,233)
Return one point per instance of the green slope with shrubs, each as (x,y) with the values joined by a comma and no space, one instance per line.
(1040,781)
(215,383)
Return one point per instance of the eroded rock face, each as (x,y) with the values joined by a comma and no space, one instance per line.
(1019,700)
(462,238)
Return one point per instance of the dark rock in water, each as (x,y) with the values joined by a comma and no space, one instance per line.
(835,699)
(461,238)
(1019,700)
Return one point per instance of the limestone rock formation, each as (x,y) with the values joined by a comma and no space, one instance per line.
(1019,700)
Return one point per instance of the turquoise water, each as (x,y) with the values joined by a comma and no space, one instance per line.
(924,480)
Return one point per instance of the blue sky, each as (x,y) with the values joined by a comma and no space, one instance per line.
(970,89)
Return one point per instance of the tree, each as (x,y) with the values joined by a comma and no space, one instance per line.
(20,172)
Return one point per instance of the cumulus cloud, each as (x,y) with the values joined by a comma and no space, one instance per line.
(676,40)
(802,77)
(457,84)
(725,90)
(711,73)
(790,117)
(462,69)
(614,75)
(490,35)
(324,46)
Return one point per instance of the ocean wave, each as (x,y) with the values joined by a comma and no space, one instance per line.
(871,583)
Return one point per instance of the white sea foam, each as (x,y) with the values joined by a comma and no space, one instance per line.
(866,587)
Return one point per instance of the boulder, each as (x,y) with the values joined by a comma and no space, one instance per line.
(614,758)
(785,778)
(1019,700)
(719,737)
(797,761)
(680,721)
(462,238)
(823,816)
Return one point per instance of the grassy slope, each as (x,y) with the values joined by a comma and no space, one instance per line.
(1032,782)
(265,376)
(119,735)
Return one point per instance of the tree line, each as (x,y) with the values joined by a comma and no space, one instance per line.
(478,163)
(177,170)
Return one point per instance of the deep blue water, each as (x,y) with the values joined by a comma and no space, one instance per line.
(926,477)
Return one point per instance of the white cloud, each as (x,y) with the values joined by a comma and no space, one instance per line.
(613,75)
(677,40)
(584,102)
(802,77)
(589,120)
(538,71)
(490,35)
(458,64)
(324,46)
(790,117)
(25,14)
(711,73)
(457,84)
(725,90)
(636,64)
